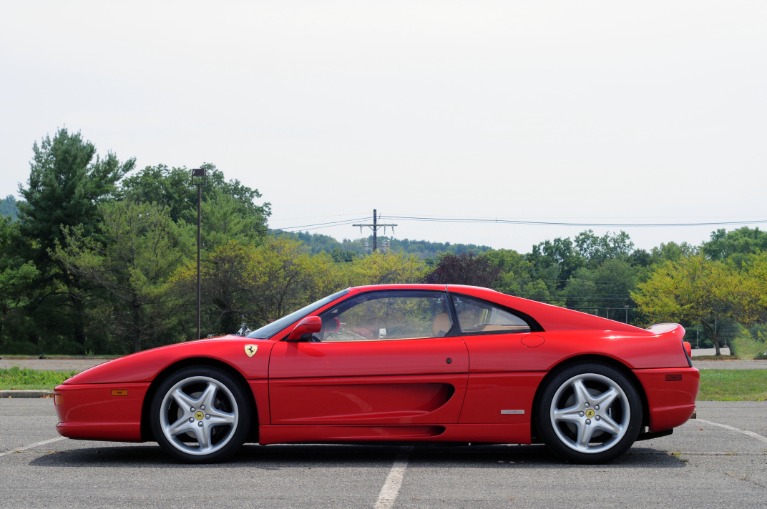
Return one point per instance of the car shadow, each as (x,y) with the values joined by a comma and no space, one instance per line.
(278,457)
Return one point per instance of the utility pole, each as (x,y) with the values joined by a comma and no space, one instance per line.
(375,226)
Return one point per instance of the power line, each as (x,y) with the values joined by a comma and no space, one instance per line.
(317,226)
(576,224)
(522,222)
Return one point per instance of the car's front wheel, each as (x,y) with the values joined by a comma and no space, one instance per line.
(200,414)
(589,413)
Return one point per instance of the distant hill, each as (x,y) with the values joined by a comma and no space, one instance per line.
(9,208)
(349,249)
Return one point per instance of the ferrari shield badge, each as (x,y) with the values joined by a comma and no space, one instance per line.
(250,350)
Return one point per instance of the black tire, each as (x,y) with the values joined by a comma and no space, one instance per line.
(589,413)
(200,414)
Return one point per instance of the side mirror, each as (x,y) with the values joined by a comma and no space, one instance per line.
(308,325)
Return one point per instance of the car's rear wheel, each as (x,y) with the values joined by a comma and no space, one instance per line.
(589,413)
(200,414)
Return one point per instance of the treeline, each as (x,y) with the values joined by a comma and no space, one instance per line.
(102,260)
(347,249)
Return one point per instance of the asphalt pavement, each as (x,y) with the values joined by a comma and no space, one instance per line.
(716,461)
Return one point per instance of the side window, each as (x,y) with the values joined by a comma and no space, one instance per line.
(478,316)
(387,316)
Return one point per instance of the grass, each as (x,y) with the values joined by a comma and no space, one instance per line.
(715,384)
(733,385)
(16,378)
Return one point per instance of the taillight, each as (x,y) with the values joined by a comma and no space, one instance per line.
(687,349)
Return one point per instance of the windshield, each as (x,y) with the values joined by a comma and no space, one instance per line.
(270,329)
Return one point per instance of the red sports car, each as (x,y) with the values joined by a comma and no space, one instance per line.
(426,363)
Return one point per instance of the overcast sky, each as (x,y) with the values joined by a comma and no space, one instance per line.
(541,111)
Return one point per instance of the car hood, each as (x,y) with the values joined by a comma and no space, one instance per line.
(146,365)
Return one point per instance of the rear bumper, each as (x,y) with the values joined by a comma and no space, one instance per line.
(671,394)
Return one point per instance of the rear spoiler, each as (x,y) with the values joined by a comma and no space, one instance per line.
(673,330)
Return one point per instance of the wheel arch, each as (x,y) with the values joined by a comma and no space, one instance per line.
(585,359)
(146,431)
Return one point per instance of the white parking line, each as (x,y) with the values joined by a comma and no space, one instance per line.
(751,434)
(31,446)
(391,487)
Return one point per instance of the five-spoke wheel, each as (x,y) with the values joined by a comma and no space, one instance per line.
(589,413)
(200,414)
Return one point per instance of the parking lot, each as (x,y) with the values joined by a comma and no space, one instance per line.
(718,460)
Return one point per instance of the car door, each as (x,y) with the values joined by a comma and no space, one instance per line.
(382,358)
(505,368)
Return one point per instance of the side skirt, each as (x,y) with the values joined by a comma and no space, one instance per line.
(475,433)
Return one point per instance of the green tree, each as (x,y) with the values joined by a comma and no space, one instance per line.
(385,268)
(17,278)
(696,290)
(67,182)
(539,290)
(596,250)
(289,277)
(735,245)
(256,284)
(554,262)
(753,270)
(672,251)
(9,207)
(464,269)
(606,288)
(228,285)
(229,208)
(141,248)
(170,187)
(224,220)
(513,271)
